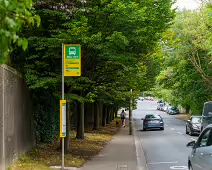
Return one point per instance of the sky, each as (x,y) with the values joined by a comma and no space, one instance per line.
(188,4)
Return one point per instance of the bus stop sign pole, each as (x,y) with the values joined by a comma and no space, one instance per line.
(71,66)
(60,106)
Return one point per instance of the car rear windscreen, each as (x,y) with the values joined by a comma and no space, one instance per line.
(153,117)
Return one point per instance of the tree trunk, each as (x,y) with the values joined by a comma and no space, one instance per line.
(96,116)
(112,114)
(104,116)
(86,111)
(113,111)
(74,117)
(68,126)
(91,116)
(100,113)
(80,126)
(187,108)
(116,112)
(108,115)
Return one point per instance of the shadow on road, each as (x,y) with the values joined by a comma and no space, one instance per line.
(141,130)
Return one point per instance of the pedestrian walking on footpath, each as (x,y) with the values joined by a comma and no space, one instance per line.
(123,118)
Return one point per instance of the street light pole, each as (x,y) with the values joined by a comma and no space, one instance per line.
(130,115)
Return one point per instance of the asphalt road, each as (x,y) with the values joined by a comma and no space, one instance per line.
(164,150)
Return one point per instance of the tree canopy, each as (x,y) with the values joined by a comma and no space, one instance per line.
(119,40)
(13,15)
(186,79)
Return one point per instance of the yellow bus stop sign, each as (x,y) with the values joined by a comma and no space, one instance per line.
(72,60)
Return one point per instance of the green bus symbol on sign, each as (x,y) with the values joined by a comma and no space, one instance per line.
(73,52)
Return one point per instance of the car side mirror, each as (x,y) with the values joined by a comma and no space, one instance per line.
(142,119)
(191,144)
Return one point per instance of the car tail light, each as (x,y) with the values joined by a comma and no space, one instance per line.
(146,120)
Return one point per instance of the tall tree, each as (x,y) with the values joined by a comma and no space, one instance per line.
(14,15)
(187,51)
(117,38)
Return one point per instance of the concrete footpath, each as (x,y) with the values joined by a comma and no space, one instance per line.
(123,152)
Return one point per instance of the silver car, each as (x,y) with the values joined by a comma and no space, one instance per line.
(201,154)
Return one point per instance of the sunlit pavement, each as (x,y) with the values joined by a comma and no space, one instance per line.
(164,150)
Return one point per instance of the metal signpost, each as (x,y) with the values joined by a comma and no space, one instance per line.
(130,115)
(71,66)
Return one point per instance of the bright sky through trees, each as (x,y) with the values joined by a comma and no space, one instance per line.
(188,4)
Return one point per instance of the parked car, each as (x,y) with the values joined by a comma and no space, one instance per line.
(153,121)
(160,101)
(168,109)
(201,154)
(141,98)
(159,107)
(193,125)
(173,111)
(165,108)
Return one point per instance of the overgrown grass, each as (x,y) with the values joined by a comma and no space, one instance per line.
(45,155)
(26,163)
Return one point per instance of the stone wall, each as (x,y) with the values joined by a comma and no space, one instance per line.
(17,134)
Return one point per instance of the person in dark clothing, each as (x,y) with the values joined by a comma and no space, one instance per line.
(123,118)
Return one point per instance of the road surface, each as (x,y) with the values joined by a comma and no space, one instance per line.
(164,150)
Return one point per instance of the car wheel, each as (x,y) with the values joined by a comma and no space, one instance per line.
(191,132)
(186,130)
(162,128)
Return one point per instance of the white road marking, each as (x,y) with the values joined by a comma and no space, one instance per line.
(172,129)
(179,167)
(120,166)
(180,133)
(193,139)
(102,155)
(152,163)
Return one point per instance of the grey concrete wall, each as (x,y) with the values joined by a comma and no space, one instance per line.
(16,118)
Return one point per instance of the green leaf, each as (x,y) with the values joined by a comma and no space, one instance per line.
(11,22)
(6,2)
(20,42)
(38,20)
(15,38)
(24,44)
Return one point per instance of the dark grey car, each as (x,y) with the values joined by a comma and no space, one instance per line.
(193,125)
(153,121)
(201,154)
